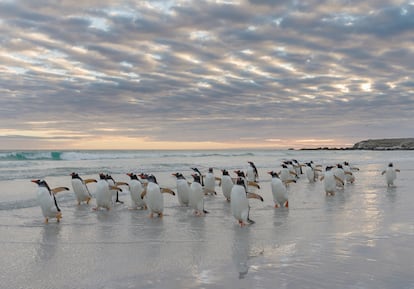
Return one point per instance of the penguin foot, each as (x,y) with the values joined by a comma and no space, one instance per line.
(58,217)
(160,215)
(46,220)
(88,200)
(276,206)
(287,204)
(151,215)
(241,223)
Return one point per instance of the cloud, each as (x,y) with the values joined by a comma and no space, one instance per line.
(220,71)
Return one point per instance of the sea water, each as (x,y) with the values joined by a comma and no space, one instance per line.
(362,237)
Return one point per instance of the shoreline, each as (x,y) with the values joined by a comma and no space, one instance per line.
(392,144)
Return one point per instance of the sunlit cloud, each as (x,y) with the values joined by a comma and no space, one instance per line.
(205,74)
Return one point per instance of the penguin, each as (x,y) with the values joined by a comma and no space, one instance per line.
(249,184)
(47,200)
(329,181)
(200,174)
(239,204)
(210,183)
(183,189)
(298,167)
(226,184)
(252,174)
(279,191)
(115,192)
(103,195)
(80,188)
(196,197)
(286,174)
(390,174)
(340,176)
(349,176)
(310,173)
(155,199)
(135,189)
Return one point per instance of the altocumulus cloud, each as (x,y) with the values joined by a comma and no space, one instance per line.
(205,71)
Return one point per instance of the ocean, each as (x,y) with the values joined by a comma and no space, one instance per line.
(362,237)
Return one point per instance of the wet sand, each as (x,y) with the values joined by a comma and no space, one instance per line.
(360,238)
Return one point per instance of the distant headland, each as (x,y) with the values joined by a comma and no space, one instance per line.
(376,144)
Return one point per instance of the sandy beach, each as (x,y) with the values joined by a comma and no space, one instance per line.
(360,238)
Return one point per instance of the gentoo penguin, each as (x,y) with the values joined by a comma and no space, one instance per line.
(210,183)
(279,191)
(47,200)
(135,190)
(155,199)
(80,188)
(340,175)
(226,184)
(310,173)
(390,174)
(252,174)
(239,204)
(200,174)
(349,176)
(286,174)
(103,194)
(183,189)
(196,197)
(297,166)
(115,192)
(329,181)
(249,184)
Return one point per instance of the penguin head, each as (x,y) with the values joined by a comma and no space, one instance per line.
(196,178)
(41,183)
(273,174)
(132,176)
(210,170)
(390,165)
(328,168)
(102,176)
(240,174)
(225,172)
(75,175)
(240,181)
(153,179)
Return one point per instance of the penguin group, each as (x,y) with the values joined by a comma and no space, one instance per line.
(146,193)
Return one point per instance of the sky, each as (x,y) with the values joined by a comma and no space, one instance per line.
(204,74)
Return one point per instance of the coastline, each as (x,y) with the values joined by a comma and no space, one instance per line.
(391,144)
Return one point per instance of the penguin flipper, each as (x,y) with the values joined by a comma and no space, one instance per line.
(59,189)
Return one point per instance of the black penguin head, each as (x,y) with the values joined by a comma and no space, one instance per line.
(41,183)
(240,174)
(328,168)
(75,175)
(273,174)
(132,176)
(339,166)
(225,172)
(196,178)
(210,170)
(240,181)
(102,176)
(153,179)
(390,165)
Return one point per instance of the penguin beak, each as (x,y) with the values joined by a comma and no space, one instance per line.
(35,181)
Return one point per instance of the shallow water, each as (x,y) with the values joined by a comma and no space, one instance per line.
(360,238)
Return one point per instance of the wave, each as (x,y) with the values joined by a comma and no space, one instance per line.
(103,155)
